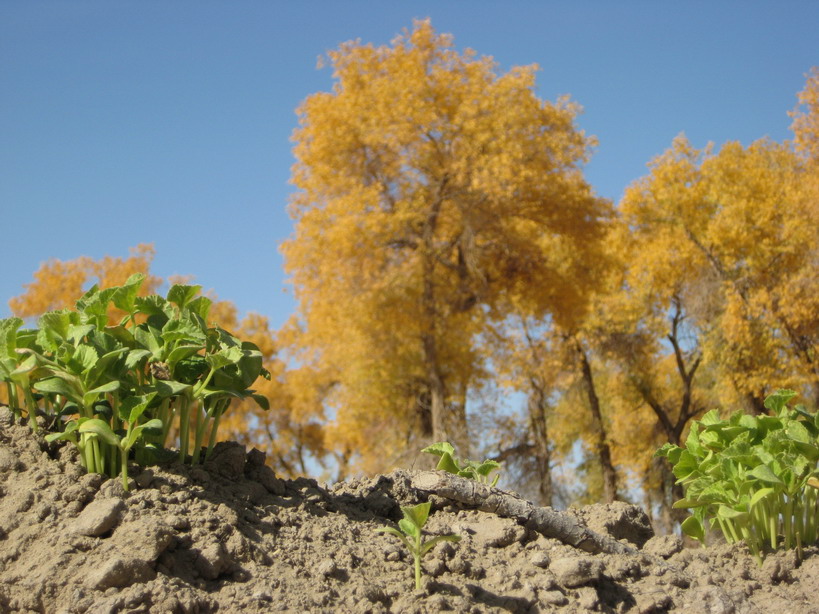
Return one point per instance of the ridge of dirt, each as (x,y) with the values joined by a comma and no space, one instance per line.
(231,536)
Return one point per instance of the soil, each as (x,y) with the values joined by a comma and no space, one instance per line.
(231,536)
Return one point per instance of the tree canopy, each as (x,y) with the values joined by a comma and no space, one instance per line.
(433,197)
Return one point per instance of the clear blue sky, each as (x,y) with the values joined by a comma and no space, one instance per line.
(169,122)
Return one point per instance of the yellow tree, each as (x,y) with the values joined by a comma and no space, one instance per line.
(431,193)
(734,235)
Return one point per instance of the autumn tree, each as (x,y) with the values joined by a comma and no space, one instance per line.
(58,284)
(432,194)
(739,234)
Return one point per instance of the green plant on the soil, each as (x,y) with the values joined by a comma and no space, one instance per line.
(412,525)
(473,470)
(755,477)
(116,388)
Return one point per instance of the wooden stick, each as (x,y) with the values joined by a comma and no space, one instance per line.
(544,520)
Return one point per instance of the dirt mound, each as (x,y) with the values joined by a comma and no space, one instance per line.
(233,537)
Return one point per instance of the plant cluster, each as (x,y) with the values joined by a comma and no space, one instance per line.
(755,477)
(473,470)
(117,391)
(412,525)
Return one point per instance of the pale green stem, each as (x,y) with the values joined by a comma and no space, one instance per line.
(124,461)
(13,401)
(811,511)
(184,418)
(221,408)
(788,513)
(31,407)
(203,416)
(417,555)
(96,457)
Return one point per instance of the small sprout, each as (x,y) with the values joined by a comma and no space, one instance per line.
(470,469)
(411,525)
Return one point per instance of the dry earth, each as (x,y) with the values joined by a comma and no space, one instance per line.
(233,537)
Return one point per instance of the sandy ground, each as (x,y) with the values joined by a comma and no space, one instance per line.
(231,536)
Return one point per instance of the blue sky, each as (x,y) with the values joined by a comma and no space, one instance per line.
(169,122)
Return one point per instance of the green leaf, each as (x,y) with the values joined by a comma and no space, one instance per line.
(689,503)
(764,473)
(183,330)
(417,514)
(8,337)
(181,353)
(798,432)
(761,494)
(224,357)
(58,322)
(181,294)
(250,364)
(779,399)
(102,364)
(131,408)
(409,529)
(121,334)
(76,332)
(58,385)
(440,448)
(261,400)
(487,467)
(82,359)
(693,528)
(124,296)
(171,388)
(686,465)
(154,306)
(398,534)
(64,436)
(730,513)
(135,357)
(149,338)
(201,306)
(711,418)
(101,429)
(151,427)
(447,463)
(92,395)
(94,304)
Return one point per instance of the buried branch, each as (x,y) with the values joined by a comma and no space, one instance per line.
(544,520)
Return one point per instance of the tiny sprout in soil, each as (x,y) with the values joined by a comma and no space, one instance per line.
(411,525)
(470,469)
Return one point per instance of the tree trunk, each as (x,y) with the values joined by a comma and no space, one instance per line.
(538,408)
(602,448)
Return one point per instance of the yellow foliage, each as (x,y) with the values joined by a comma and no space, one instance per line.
(734,235)
(806,117)
(434,195)
(59,284)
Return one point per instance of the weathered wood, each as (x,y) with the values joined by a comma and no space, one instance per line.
(544,520)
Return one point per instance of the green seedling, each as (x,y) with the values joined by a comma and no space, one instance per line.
(754,477)
(470,469)
(411,525)
(119,389)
